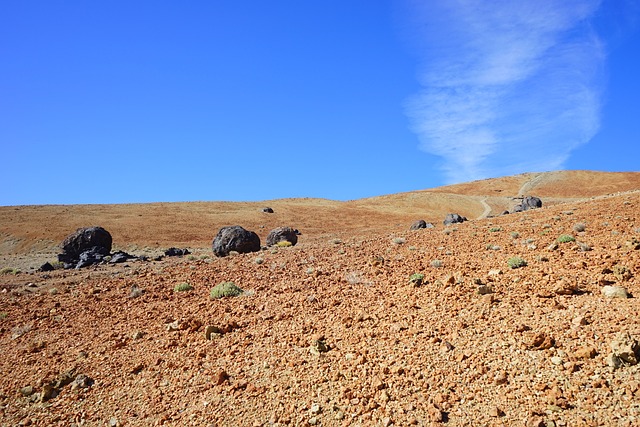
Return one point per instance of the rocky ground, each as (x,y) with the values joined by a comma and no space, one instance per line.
(342,332)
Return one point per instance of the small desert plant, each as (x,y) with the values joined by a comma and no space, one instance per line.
(9,270)
(436,263)
(284,244)
(136,291)
(579,227)
(183,287)
(566,238)
(57,265)
(191,258)
(516,262)
(515,234)
(3,315)
(335,241)
(584,247)
(493,247)
(417,279)
(225,289)
(399,240)
(258,260)
(495,229)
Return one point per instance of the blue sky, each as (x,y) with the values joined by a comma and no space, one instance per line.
(143,101)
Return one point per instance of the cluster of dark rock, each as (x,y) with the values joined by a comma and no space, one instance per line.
(237,239)
(453,218)
(527,202)
(92,245)
(88,246)
(419,224)
(176,252)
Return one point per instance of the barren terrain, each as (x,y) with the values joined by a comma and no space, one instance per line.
(337,330)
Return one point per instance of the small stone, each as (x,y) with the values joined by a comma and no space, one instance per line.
(315,409)
(434,414)
(27,391)
(625,351)
(211,332)
(496,272)
(485,289)
(541,341)
(500,378)
(579,321)
(173,326)
(556,360)
(220,377)
(339,415)
(495,412)
(487,299)
(113,422)
(585,352)
(313,421)
(614,292)
(386,422)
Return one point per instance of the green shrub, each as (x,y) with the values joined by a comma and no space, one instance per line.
(515,234)
(516,262)
(495,229)
(225,289)
(417,279)
(399,240)
(183,287)
(566,238)
(436,263)
(9,270)
(3,315)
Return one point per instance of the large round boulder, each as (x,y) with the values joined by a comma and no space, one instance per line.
(84,239)
(235,238)
(453,218)
(282,234)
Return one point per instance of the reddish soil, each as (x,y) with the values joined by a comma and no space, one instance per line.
(332,331)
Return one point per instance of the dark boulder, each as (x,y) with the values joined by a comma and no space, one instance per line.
(82,240)
(453,218)
(120,256)
(235,238)
(176,252)
(93,255)
(528,202)
(417,225)
(46,267)
(281,234)
(267,210)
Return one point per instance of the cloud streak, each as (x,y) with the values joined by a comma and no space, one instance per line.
(506,87)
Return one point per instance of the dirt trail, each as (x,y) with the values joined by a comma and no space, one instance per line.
(487,208)
(530,184)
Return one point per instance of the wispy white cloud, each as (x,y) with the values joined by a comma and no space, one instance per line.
(507,86)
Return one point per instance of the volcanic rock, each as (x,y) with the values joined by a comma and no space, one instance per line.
(235,238)
(82,240)
(281,234)
(453,218)
(528,202)
(176,252)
